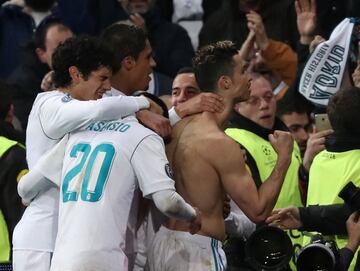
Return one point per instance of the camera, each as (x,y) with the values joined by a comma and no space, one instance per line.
(269,248)
(351,195)
(319,254)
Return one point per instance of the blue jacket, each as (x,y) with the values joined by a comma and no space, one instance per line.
(17,28)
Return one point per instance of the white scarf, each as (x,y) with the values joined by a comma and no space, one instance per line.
(324,70)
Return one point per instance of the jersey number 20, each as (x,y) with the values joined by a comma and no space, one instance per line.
(97,166)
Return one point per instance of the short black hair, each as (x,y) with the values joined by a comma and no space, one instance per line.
(213,61)
(86,53)
(288,104)
(343,111)
(5,99)
(124,40)
(42,30)
(185,70)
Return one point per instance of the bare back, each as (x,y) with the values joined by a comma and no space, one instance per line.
(196,178)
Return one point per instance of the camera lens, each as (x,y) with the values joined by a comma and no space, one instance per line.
(269,247)
(315,257)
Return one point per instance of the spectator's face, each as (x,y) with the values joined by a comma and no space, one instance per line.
(300,127)
(136,6)
(261,106)
(54,37)
(184,87)
(143,67)
(240,80)
(93,87)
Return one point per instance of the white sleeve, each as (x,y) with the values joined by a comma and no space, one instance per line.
(173,116)
(58,117)
(151,166)
(46,172)
(238,224)
(32,184)
(171,204)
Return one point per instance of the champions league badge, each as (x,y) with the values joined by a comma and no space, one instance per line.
(168,171)
(66,98)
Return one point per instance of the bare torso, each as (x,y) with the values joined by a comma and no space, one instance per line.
(197,181)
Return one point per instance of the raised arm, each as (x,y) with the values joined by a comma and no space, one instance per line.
(237,182)
(60,116)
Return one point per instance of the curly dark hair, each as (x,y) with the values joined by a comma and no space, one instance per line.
(88,54)
(213,61)
(124,40)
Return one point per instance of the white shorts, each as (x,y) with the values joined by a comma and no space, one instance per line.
(30,260)
(178,250)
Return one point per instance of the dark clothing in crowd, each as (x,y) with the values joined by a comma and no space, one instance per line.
(12,164)
(331,12)
(162,83)
(170,42)
(326,219)
(17,28)
(7,130)
(26,81)
(229,22)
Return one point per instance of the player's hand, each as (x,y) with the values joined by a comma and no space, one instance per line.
(195,225)
(353,229)
(47,82)
(315,144)
(285,218)
(155,122)
(209,102)
(283,144)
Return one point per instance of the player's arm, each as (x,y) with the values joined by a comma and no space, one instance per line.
(153,173)
(237,182)
(59,118)
(47,168)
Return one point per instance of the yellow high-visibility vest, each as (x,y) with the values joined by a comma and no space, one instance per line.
(265,158)
(329,173)
(5,144)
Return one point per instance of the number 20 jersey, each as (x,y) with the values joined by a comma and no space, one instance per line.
(104,166)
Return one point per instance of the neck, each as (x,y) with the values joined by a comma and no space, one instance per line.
(120,83)
(223,117)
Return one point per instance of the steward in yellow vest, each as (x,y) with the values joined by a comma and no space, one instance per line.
(331,170)
(13,166)
(339,163)
(261,159)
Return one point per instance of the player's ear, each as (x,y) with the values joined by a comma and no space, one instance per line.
(75,74)
(128,62)
(224,82)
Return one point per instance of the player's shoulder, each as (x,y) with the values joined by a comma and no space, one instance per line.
(128,127)
(219,139)
(50,98)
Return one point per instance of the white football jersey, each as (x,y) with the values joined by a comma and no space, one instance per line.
(104,165)
(53,115)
